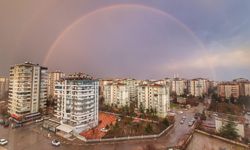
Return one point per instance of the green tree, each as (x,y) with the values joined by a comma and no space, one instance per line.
(148,128)
(165,122)
(229,130)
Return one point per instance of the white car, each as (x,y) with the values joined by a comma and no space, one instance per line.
(184,117)
(104,130)
(55,143)
(180,112)
(190,123)
(3,142)
(39,120)
(248,113)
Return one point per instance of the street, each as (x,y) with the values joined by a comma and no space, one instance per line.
(26,139)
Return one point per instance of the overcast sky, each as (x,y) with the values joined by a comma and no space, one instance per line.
(121,38)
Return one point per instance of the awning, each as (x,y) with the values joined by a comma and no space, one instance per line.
(64,128)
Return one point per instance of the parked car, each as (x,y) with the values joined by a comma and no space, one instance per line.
(184,117)
(248,113)
(182,121)
(3,142)
(17,125)
(39,120)
(104,130)
(190,123)
(180,112)
(55,142)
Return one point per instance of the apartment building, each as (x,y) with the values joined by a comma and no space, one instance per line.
(228,89)
(247,89)
(154,96)
(198,87)
(116,94)
(179,86)
(132,88)
(77,101)
(27,91)
(4,86)
(53,77)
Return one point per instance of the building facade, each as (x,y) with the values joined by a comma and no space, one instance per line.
(229,89)
(27,90)
(198,87)
(53,77)
(4,86)
(77,101)
(247,89)
(116,94)
(154,96)
(179,86)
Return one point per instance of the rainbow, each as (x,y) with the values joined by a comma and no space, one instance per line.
(119,6)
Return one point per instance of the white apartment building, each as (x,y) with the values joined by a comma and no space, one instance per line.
(132,88)
(77,102)
(53,77)
(179,86)
(247,89)
(198,87)
(4,86)
(228,89)
(154,96)
(116,94)
(27,90)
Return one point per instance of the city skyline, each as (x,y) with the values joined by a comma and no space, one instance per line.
(139,39)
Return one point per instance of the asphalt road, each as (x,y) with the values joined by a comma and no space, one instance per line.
(26,139)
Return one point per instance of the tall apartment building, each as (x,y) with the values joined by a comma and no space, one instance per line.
(77,101)
(4,86)
(247,89)
(179,86)
(198,87)
(154,96)
(27,90)
(228,89)
(132,88)
(116,94)
(53,77)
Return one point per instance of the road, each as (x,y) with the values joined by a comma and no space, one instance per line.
(26,139)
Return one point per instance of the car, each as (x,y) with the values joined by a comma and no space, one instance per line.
(248,113)
(190,123)
(184,117)
(180,112)
(39,120)
(3,142)
(216,115)
(104,130)
(193,119)
(55,142)
(17,125)
(182,121)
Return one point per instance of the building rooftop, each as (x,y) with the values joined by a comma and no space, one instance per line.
(78,76)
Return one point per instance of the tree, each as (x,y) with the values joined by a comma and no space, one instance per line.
(165,122)
(148,128)
(141,108)
(229,130)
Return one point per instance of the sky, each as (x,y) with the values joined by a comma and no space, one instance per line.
(144,39)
